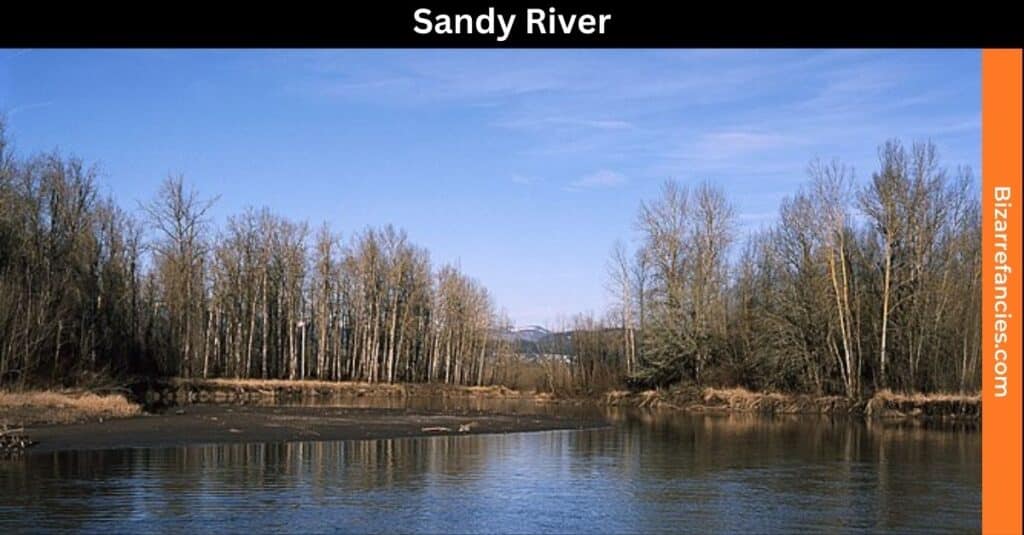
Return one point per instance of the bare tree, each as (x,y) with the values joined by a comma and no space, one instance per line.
(179,216)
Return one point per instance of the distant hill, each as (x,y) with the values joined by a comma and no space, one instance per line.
(530,333)
(536,340)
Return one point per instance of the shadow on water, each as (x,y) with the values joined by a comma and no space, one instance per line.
(649,471)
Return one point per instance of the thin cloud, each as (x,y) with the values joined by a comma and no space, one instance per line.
(536,123)
(734,149)
(599,180)
(26,107)
(729,143)
(466,77)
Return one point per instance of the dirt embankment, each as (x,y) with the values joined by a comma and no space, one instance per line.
(884,404)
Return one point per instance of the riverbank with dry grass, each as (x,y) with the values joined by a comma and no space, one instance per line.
(33,408)
(184,411)
(45,407)
(889,405)
(885,405)
(180,391)
(190,411)
(29,408)
(21,412)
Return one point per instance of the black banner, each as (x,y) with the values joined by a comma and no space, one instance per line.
(535,25)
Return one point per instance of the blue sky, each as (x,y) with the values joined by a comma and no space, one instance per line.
(521,166)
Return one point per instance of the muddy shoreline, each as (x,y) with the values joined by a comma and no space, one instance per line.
(210,424)
(183,412)
(883,404)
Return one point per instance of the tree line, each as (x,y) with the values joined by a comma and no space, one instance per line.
(854,288)
(87,287)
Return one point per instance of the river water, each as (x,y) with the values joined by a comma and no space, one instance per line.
(646,472)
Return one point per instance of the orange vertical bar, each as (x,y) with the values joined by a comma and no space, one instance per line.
(1001,291)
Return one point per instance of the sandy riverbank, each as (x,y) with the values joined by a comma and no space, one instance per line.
(207,424)
(181,412)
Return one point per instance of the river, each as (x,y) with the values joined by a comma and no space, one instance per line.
(646,472)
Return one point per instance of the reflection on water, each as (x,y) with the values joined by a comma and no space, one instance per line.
(648,472)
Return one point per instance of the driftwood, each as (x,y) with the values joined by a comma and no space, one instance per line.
(463,428)
(13,442)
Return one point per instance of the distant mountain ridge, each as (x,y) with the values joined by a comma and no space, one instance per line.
(536,340)
(529,333)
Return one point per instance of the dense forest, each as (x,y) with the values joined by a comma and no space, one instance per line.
(856,287)
(87,287)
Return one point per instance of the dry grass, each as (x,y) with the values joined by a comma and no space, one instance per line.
(283,383)
(274,384)
(645,399)
(337,385)
(493,391)
(35,407)
(889,395)
(728,400)
(886,404)
(257,390)
(743,400)
(741,397)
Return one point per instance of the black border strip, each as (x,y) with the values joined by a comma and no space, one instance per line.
(633,25)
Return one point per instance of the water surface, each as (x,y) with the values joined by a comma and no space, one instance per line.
(647,472)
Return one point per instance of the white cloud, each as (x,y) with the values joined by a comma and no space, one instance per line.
(26,107)
(732,143)
(536,123)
